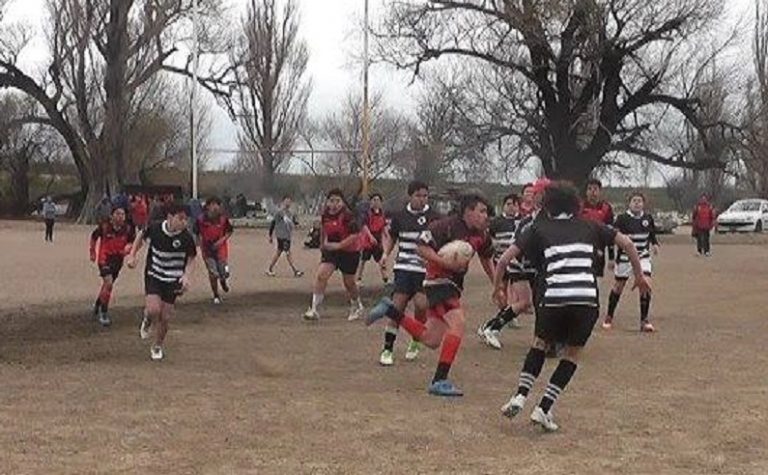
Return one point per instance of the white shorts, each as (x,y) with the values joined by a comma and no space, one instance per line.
(624,269)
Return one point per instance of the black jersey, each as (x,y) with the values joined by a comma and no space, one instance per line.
(641,230)
(525,265)
(563,251)
(168,253)
(406,226)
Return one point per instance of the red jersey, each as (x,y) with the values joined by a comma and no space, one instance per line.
(377,221)
(601,212)
(338,227)
(703,217)
(112,241)
(450,229)
(140,212)
(211,230)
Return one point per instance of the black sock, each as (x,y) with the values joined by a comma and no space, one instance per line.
(645,305)
(504,317)
(390,335)
(531,370)
(395,314)
(441,372)
(613,302)
(557,383)
(492,321)
(97,305)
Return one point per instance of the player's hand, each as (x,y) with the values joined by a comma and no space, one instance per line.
(130,261)
(185,283)
(455,265)
(642,285)
(331,246)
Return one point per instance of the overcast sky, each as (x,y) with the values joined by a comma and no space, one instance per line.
(328,27)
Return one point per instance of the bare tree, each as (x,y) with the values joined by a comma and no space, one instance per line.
(270,100)
(573,83)
(103,53)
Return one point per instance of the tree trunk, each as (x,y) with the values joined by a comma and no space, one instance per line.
(19,184)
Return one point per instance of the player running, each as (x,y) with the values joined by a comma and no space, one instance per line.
(405,228)
(339,251)
(113,239)
(373,229)
(282,227)
(562,247)
(168,271)
(639,226)
(443,284)
(213,229)
(600,211)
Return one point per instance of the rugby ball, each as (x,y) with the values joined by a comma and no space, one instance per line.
(460,251)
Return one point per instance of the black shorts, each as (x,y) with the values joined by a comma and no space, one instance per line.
(167,291)
(284,245)
(112,267)
(346,262)
(442,299)
(408,283)
(571,325)
(375,253)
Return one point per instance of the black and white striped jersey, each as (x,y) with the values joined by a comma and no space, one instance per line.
(405,227)
(503,230)
(641,230)
(524,263)
(563,251)
(168,252)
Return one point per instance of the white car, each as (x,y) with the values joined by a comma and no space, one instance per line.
(744,216)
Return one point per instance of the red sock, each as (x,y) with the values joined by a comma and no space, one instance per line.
(449,348)
(413,326)
(105,295)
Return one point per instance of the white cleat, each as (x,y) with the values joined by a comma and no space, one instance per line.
(544,420)
(156,353)
(355,313)
(490,337)
(146,323)
(217,300)
(514,406)
(387,358)
(311,315)
(414,348)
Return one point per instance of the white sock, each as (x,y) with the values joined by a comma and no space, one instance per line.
(317,300)
(357,303)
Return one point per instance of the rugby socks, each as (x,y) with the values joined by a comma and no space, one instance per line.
(407,322)
(390,335)
(317,300)
(534,361)
(104,296)
(557,383)
(613,302)
(645,305)
(448,350)
(502,319)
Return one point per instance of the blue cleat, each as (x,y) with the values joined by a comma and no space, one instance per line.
(380,310)
(445,388)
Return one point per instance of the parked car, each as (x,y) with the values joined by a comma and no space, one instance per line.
(744,216)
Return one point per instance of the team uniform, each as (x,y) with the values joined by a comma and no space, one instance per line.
(443,287)
(376,221)
(406,227)
(167,260)
(600,212)
(210,231)
(642,231)
(503,230)
(563,249)
(112,243)
(282,227)
(336,228)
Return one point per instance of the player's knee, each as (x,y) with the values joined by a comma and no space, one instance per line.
(572,353)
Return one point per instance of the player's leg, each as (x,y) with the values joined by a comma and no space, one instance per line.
(449,330)
(153,309)
(213,278)
(386,357)
(161,331)
(378,257)
(278,252)
(622,274)
(105,295)
(324,272)
(520,300)
(364,256)
(420,307)
(289,258)
(356,308)
(223,269)
(645,307)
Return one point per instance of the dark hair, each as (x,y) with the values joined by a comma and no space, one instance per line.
(512,196)
(637,193)
(470,200)
(117,208)
(176,208)
(415,186)
(594,181)
(561,198)
(377,195)
(287,197)
(526,186)
(212,200)
(335,192)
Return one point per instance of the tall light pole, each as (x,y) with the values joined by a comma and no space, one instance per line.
(366,110)
(193,96)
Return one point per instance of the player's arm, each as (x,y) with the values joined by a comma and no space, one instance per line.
(130,260)
(489,269)
(429,254)
(272,228)
(626,245)
(189,269)
(512,253)
(95,237)
(228,231)
(652,238)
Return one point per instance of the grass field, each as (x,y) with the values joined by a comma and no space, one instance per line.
(249,387)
